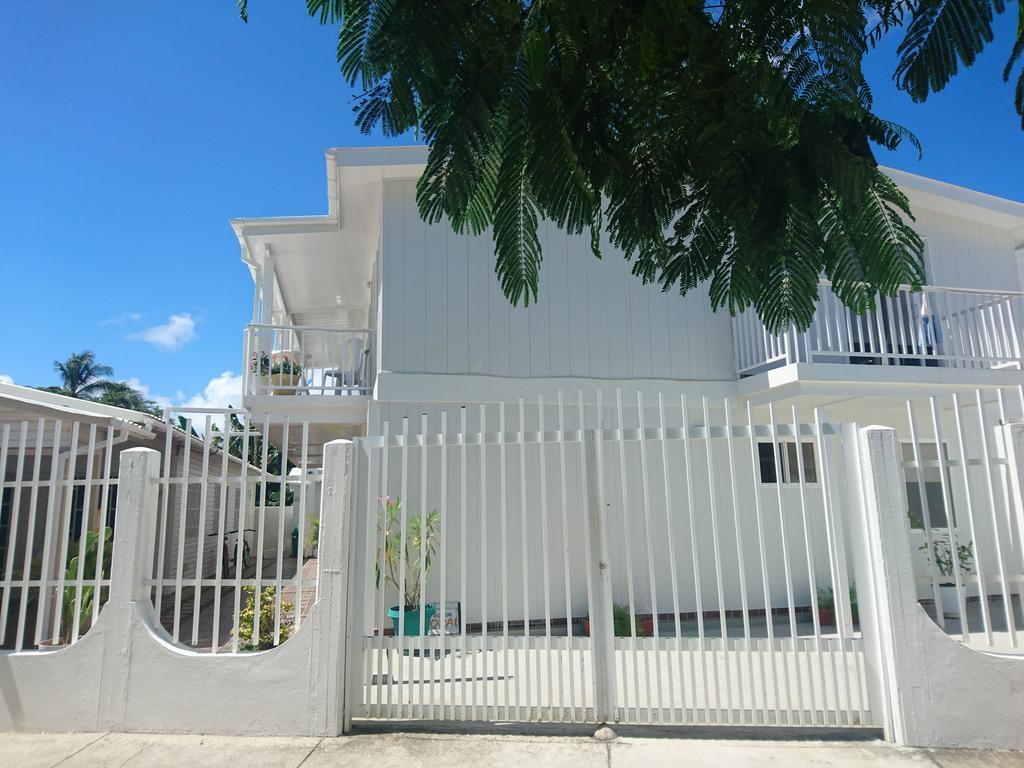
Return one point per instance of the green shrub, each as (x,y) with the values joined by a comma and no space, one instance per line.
(620,620)
(313,536)
(246,619)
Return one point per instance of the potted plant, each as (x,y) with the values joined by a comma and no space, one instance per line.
(285,376)
(259,365)
(827,607)
(941,554)
(620,623)
(418,547)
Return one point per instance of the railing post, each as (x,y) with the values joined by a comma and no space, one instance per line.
(335,564)
(601,624)
(886,592)
(130,568)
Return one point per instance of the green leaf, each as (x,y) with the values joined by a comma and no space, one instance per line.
(942,35)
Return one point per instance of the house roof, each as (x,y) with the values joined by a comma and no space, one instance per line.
(16,401)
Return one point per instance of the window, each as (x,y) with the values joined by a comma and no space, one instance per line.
(787,463)
(931,479)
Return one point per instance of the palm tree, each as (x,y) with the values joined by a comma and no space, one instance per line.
(123,395)
(81,376)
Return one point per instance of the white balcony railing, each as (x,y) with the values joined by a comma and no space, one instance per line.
(948,327)
(300,360)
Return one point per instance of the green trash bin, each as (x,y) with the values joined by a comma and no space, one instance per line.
(295,541)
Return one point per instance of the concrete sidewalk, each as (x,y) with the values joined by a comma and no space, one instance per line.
(410,750)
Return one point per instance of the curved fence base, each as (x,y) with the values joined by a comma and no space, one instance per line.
(156,686)
(126,674)
(961,696)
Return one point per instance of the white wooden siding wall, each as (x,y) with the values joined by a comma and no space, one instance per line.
(625,510)
(443,312)
(965,254)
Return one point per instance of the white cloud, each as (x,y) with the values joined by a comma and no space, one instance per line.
(172,335)
(5,379)
(220,392)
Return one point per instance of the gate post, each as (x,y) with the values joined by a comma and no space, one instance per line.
(601,624)
(886,593)
(329,652)
(131,565)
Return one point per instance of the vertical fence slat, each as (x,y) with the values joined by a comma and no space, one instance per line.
(48,535)
(969,507)
(12,538)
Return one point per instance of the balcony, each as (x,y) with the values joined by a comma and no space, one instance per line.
(935,327)
(299,367)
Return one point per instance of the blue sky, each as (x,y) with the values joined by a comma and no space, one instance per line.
(130,135)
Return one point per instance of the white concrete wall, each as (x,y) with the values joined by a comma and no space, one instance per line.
(442,310)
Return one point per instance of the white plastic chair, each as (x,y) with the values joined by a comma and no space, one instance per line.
(353,365)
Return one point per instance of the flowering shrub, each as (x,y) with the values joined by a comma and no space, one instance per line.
(246,620)
(287,366)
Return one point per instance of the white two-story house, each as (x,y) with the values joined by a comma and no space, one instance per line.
(395,322)
(383,309)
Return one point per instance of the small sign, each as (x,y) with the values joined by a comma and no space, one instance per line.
(451,616)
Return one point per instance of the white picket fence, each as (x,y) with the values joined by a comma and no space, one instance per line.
(56,498)
(552,516)
(967,513)
(233,533)
(645,560)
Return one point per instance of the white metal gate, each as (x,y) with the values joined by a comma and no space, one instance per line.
(648,562)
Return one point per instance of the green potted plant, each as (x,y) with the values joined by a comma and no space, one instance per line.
(941,555)
(620,623)
(420,543)
(827,607)
(285,376)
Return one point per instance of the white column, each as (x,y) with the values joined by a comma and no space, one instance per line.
(268,280)
(601,622)
(886,593)
(330,652)
(131,565)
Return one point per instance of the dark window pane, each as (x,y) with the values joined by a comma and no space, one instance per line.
(810,468)
(936,508)
(766,460)
(789,464)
